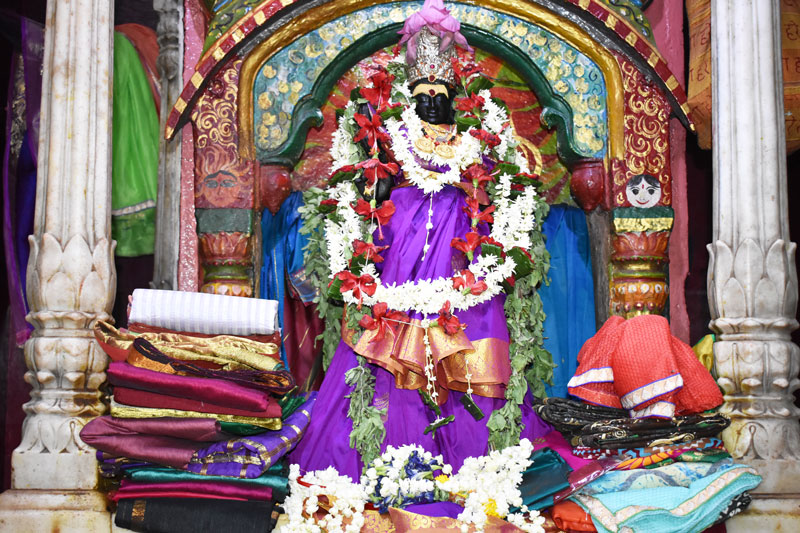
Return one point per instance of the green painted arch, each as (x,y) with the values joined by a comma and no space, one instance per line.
(556,112)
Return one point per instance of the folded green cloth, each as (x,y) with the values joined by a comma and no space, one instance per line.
(275,477)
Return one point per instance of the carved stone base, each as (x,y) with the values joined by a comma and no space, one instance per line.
(37,511)
(72,471)
(767,514)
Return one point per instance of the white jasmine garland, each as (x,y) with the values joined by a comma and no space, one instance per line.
(513,219)
(496,118)
(343,150)
(347,502)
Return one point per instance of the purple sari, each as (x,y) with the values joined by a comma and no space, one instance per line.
(327,439)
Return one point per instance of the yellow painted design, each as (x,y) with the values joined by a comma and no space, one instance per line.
(631,39)
(218,53)
(197,79)
(653,59)
(180,105)
(622,225)
(584,4)
(672,83)
(259,18)
(238,35)
(611,21)
(530,12)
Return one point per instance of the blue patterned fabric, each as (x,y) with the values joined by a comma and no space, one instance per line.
(568,300)
(283,254)
(681,497)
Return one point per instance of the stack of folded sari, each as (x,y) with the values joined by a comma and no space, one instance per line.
(201,414)
(647,474)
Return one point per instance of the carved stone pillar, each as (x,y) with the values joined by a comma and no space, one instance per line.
(70,279)
(170,67)
(752,281)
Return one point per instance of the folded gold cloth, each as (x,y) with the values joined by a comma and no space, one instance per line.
(224,352)
(119,410)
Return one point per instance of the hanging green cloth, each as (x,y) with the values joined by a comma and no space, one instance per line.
(135,154)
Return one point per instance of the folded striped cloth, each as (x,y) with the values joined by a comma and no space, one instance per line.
(204,313)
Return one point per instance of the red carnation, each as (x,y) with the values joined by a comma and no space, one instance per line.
(382,318)
(473,210)
(478,175)
(472,241)
(490,139)
(380,215)
(371,130)
(361,285)
(448,322)
(368,250)
(466,281)
(378,95)
(375,170)
(468,103)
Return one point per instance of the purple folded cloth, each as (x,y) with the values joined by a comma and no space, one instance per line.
(216,391)
(212,488)
(165,441)
(251,456)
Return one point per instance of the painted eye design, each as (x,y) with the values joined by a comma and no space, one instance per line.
(635,191)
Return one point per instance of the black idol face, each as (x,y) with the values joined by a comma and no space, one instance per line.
(434,103)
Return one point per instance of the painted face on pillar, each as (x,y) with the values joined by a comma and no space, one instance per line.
(220,188)
(434,104)
(643,190)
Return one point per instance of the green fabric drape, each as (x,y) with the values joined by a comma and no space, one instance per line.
(135,154)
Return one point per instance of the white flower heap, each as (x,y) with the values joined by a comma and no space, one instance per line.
(405,475)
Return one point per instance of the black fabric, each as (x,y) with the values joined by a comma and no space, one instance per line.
(195,515)
(645,432)
(569,416)
(739,503)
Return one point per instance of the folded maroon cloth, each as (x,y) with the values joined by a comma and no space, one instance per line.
(140,398)
(165,441)
(215,488)
(216,391)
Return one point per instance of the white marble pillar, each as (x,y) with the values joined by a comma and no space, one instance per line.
(752,280)
(70,278)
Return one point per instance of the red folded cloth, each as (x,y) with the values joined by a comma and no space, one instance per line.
(205,488)
(216,391)
(140,398)
(637,364)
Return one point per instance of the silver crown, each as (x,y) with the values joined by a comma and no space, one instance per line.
(431,64)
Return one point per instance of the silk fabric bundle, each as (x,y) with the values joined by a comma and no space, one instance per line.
(144,354)
(276,480)
(693,503)
(643,432)
(165,441)
(182,515)
(140,398)
(215,391)
(547,476)
(569,416)
(133,489)
(119,410)
(227,352)
(204,313)
(250,457)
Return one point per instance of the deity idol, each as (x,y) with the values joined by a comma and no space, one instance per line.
(439,221)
